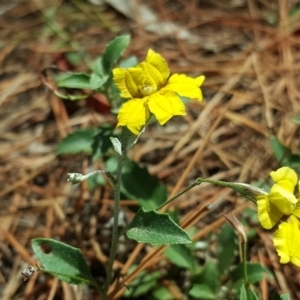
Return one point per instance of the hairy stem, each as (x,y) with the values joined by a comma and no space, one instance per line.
(115,236)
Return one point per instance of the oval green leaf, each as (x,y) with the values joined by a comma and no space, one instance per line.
(201,291)
(73,81)
(114,51)
(77,142)
(62,261)
(149,195)
(156,228)
(182,257)
(97,81)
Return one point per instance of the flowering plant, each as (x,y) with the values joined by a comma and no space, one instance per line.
(281,205)
(151,90)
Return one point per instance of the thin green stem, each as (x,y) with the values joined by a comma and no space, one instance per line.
(196,182)
(245,272)
(115,236)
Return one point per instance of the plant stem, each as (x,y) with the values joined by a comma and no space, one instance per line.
(245,273)
(115,237)
(196,182)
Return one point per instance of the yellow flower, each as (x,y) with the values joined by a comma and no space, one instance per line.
(280,202)
(287,241)
(150,89)
(281,199)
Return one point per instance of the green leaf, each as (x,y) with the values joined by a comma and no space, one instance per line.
(113,52)
(62,261)
(181,256)
(162,293)
(256,272)
(243,293)
(226,247)
(101,141)
(201,291)
(69,96)
(285,297)
(156,228)
(77,142)
(209,275)
(116,145)
(246,293)
(138,184)
(142,284)
(73,81)
(248,191)
(276,296)
(97,81)
(129,62)
(284,155)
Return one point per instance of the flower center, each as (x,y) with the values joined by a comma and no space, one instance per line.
(148,90)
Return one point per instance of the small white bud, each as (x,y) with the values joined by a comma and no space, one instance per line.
(76,177)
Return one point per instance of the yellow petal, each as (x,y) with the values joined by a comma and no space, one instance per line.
(287,241)
(286,178)
(153,75)
(134,114)
(185,86)
(284,192)
(285,203)
(157,61)
(134,80)
(296,211)
(119,80)
(144,81)
(268,214)
(165,106)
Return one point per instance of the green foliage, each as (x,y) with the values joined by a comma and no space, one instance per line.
(77,142)
(97,81)
(284,155)
(129,62)
(246,293)
(202,291)
(73,81)
(256,272)
(182,257)
(144,283)
(276,296)
(101,71)
(62,261)
(101,142)
(226,247)
(139,185)
(113,52)
(162,293)
(116,145)
(209,276)
(156,228)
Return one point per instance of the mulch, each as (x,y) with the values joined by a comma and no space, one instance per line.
(248,51)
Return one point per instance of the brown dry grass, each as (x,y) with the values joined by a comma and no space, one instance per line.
(248,51)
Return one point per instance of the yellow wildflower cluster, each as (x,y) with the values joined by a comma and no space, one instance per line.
(281,204)
(151,90)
